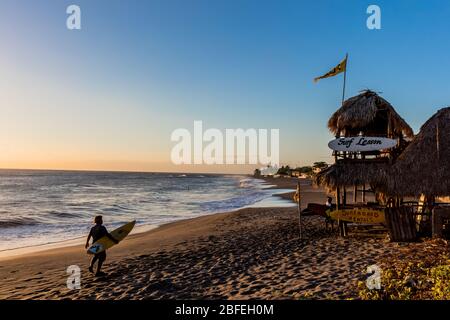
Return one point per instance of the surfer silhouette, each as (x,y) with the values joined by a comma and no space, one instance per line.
(98,231)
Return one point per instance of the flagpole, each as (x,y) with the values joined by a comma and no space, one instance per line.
(345,78)
(338,193)
(299,208)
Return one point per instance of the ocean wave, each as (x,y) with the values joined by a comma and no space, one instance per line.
(246,183)
(86,186)
(251,183)
(120,208)
(60,214)
(18,222)
(233,202)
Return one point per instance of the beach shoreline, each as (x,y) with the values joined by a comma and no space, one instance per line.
(251,253)
(277,199)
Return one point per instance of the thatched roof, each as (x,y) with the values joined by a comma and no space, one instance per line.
(348,174)
(369,113)
(424,166)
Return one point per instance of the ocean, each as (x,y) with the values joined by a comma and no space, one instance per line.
(44,207)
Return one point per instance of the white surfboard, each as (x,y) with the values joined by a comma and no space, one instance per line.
(361,144)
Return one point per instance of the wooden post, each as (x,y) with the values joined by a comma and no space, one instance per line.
(338,198)
(338,207)
(344,197)
(355,194)
(343,223)
(299,207)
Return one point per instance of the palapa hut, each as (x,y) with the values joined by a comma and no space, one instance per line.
(424,166)
(422,170)
(370,114)
(350,174)
(366,114)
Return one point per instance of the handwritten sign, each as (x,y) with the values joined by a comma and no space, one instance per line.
(359,215)
(361,144)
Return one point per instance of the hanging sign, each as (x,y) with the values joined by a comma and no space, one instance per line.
(361,144)
(359,215)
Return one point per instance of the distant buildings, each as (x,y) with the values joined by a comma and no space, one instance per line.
(286,171)
(268,171)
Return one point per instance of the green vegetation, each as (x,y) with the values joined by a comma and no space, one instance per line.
(320,165)
(305,170)
(425,280)
(284,170)
(288,171)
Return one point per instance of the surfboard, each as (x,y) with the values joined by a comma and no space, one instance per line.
(105,243)
(361,144)
(359,215)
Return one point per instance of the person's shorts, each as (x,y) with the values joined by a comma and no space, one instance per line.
(101,256)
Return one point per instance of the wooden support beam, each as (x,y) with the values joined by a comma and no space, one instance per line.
(364,193)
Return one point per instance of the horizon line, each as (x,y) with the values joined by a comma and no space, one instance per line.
(118,171)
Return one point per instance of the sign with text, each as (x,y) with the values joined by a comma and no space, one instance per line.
(361,144)
(359,215)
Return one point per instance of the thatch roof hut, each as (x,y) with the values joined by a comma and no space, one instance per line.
(371,114)
(424,166)
(348,174)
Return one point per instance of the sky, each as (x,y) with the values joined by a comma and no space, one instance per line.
(108,96)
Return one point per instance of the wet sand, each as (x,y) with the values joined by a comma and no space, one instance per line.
(253,253)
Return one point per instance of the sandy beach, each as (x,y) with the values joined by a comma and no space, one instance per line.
(252,253)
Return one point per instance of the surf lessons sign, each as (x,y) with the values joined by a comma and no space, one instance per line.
(360,144)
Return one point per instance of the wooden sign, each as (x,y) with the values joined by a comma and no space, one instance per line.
(359,215)
(360,144)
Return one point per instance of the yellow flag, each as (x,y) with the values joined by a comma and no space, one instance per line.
(336,70)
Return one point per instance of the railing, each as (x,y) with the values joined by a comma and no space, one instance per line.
(363,156)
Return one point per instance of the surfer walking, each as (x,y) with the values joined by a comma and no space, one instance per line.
(98,231)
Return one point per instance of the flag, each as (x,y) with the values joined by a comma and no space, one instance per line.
(341,67)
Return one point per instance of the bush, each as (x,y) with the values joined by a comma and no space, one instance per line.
(429,280)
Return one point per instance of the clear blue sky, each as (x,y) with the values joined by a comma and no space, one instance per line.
(108,96)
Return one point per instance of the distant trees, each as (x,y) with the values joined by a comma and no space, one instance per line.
(298,171)
(305,169)
(287,171)
(284,170)
(320,165)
